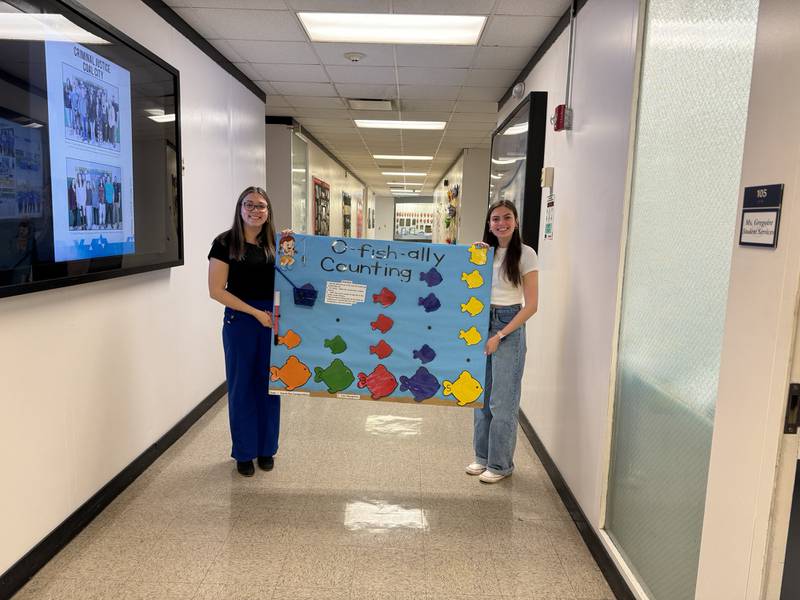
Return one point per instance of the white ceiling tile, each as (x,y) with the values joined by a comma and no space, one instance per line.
(424,115)
(431,77)
(365,75)
(321,113)
(326,124)
(227,51)
(306,89)
(383,115)
(474,107)
(548,8)
(378,92)
(272,25)
(264,85)
(498,57)
(256,51)
(315,102)
(201,24)
(410,55)
(278,111)
(487,94)
(443,7)
(247,69)
(277,101)
(423,105)
(249,4)
(307,73)
(375,55)
(490,77)
(368,6)
(429,92)
(474,118)
(517,31)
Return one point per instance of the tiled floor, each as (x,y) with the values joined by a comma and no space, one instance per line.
(367,501)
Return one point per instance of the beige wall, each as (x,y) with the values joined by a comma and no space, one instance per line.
(94,374)
(325,168)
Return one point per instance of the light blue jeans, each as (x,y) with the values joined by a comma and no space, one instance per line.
(496,423)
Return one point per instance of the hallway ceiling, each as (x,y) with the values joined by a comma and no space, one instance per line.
(312,82)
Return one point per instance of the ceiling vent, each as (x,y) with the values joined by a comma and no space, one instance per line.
(368,104)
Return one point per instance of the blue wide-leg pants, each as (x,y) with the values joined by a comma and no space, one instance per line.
(254,414)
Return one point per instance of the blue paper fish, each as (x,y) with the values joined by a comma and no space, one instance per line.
(425,354)
(422,384)
(432,277)
(430,302)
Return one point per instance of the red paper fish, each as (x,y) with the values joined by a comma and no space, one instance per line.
(380,382)
(386,297)
(383,323)
(381,349)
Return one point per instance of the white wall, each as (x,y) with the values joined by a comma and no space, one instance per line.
(279,174)
(328,170)
(94,374)
(384,217)
(759,331)
(566,383)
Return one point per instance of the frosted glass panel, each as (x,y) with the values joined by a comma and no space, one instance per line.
(299,183)
(692,112)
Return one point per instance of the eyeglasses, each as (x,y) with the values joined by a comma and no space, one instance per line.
(250,207)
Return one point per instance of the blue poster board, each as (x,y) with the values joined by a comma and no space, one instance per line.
(381,320)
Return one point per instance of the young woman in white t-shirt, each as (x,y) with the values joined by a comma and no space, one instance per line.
(515,298)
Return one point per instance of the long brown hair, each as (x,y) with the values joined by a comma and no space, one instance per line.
(234,238)
(514,251)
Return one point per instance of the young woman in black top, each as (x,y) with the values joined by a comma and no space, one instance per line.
(241,275)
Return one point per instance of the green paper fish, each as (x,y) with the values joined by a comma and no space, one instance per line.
(337,345)
(337,376)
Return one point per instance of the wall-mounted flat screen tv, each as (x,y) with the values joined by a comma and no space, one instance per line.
(90,184)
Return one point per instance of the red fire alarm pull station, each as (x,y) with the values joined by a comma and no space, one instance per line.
(562,119)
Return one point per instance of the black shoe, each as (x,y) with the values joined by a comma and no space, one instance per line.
(265,463)
(245,468)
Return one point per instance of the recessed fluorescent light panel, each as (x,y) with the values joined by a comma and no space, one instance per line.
(399,157)
(383,28)
(507,161)
(516,129)
(162,118)
(379,124)
(396,183)
(403,173)
(44,28)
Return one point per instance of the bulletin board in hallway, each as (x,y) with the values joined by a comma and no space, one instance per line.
(382,320)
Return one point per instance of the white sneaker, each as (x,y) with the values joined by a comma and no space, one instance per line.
(491,477)
(475,468)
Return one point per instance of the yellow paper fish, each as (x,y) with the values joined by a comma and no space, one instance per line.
(471,336)
(465,389)
(473,306)
(474,279)
(290,339)
(477,254)
(293,373)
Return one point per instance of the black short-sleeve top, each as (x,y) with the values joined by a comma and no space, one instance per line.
(253,277)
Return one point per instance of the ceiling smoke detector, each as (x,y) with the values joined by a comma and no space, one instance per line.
(354,56)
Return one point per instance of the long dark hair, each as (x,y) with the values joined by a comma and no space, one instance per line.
(514,252)
(234,238)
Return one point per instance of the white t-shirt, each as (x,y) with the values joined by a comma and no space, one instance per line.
(503,291)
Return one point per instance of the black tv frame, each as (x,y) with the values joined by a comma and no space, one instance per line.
(111,273)
(536,102)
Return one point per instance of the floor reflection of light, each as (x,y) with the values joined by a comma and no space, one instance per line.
(380,516)
(392,425)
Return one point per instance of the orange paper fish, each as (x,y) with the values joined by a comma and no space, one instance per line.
(290,339)
(293,374)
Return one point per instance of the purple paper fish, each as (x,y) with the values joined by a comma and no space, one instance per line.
(430,302)
(425,354)
(422,384)
(432,277)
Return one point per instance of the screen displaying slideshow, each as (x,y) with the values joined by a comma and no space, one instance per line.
(89,152)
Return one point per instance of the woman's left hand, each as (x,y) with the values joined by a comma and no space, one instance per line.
(491,345)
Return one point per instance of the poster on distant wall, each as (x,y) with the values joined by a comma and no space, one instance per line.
(382,320)
(360,218)
(346,214)
(322,203)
